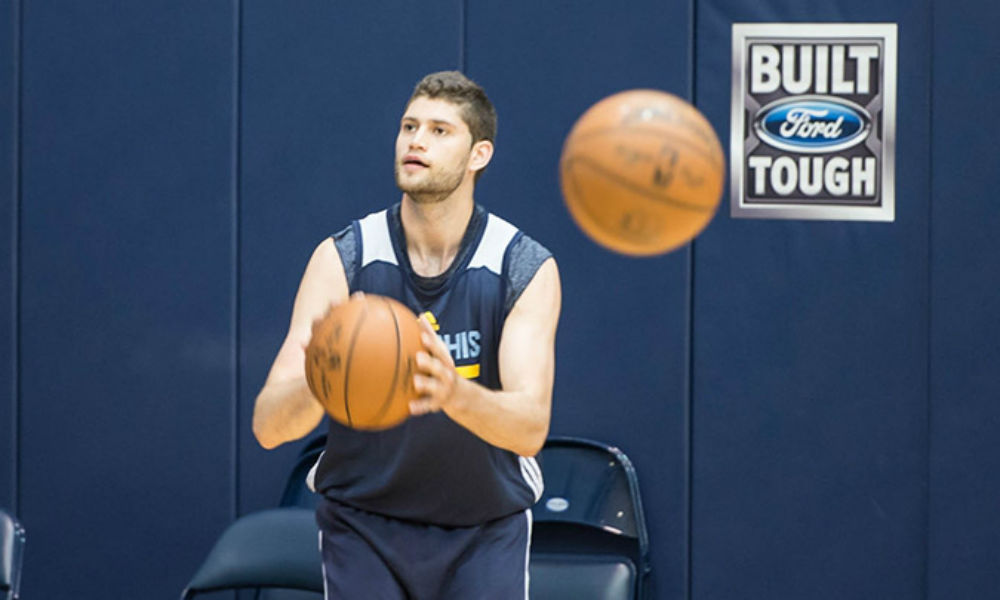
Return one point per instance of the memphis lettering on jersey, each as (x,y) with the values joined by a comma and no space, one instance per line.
(812,122)
(463,345)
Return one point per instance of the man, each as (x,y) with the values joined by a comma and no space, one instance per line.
(438,507)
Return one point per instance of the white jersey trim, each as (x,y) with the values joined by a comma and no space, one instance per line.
(376,243)
(532,475)
(493,245)
(311,476)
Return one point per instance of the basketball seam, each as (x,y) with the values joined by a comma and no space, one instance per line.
(584,213)
(585,210)
(614,178)
(705,154)
(395,372)
(347,365)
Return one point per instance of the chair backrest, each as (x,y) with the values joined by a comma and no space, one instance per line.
(274,552)
(582,577)
(590,515)
(276,548)
(12,538)
(298,494)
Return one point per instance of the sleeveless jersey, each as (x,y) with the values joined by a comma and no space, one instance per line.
(430,469)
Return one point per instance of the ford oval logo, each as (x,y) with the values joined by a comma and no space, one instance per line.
(812,124)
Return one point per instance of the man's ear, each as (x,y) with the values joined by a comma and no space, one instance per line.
(482,153)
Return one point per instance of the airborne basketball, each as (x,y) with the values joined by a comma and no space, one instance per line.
(642,172)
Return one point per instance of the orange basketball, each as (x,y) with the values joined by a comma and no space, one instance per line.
(361,359)
(642,172)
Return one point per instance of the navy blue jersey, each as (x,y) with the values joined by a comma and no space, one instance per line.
(430,469)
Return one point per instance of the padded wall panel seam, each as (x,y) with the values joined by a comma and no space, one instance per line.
(811,428)
(322,89)
(236,433)
(14,189)
(622,364)
(964,527)
(16,355)
(463,36)
(689,396)
(928,433)
(688,420)
(8,256)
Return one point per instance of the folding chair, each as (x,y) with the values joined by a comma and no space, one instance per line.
(12,540)
(589,539)
(274,551)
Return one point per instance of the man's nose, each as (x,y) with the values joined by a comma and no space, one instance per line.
(417,140)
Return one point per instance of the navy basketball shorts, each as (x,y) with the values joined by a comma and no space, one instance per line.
(370,557)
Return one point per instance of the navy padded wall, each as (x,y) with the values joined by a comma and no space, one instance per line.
(622,343)
(323,88)
(964,532)
(180,161)
(9,36)
(810,364)
(127,349)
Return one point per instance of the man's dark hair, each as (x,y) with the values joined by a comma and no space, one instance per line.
(476,109)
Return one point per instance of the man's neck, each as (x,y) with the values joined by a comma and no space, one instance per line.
(434,231)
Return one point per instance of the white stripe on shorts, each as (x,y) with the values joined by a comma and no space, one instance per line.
(527,555)
(322,562)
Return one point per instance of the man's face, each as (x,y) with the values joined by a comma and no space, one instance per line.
(433,148)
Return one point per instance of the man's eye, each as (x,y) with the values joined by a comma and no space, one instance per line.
(440,130)
(408,127)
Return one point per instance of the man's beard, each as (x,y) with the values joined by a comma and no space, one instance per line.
(431,190)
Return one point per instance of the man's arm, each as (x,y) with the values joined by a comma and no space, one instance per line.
(516,417)
(285,409)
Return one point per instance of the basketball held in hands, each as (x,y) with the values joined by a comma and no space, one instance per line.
(361,360)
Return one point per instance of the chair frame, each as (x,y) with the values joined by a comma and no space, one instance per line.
(13,551)
(643,566)
(287,505)
(313,447)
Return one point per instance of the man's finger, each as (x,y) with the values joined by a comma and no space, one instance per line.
(431,365)
(422,406)
(424,385)
(425,325)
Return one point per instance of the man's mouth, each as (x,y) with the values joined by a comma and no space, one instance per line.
(413,161)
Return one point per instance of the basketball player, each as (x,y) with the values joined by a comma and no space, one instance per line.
(437,507)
